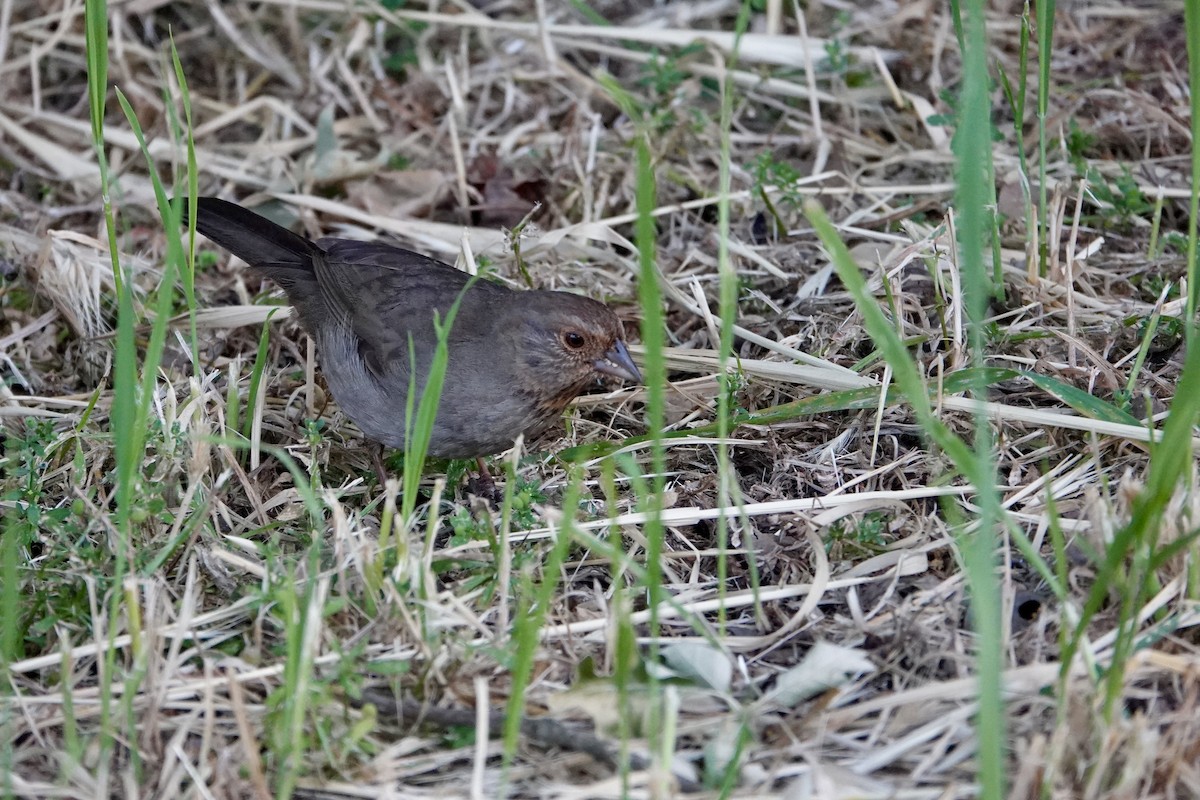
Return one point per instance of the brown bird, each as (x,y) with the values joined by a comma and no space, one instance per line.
(516,358)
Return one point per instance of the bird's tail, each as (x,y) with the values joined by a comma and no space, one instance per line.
(255,239)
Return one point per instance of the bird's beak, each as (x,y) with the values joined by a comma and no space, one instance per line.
(617,362)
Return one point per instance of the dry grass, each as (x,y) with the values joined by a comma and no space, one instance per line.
(443,128)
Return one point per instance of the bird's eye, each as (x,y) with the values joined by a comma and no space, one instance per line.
(573,339)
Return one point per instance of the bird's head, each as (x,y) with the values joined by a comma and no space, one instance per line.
(569,341)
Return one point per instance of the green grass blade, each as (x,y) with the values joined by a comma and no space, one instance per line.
(127,452)
(531,616)
(728,493)
(1045,42)
(974,465)
(419,427)
(1191,22)
(976,192)
(1170,463)
(187,265)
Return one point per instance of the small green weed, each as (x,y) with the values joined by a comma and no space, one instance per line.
(467,528)
(665,81)
(838,59)
(400,42)
(769,170)
(1121,199)
(45,539)
(850,538)
(840,63)
(1079,143)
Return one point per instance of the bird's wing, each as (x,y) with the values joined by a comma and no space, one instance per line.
(385,293)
